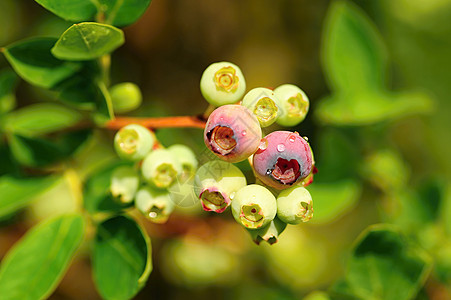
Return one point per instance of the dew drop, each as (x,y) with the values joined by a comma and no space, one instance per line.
(292,138)
(305,138)
(263,144)
(281,147)
(243,133)
(152,214)
(232,195)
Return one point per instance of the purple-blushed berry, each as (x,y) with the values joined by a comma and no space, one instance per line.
(155,204)
(270,233)
(264,104)
(222,83)
(295,205)
(124,183)
(133,142)
(187,158)
(125,97)
(295,105)
(254,206)
(216,183)
(283,159)
(232,133)
(160,168)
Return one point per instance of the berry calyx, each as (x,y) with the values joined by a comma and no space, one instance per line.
(133,142)
(295,205)
(216,183)
(161,168)
(155,204)
(264,104)
(222,83)
(254,206)
(232,133)
(295,104)
(283,159)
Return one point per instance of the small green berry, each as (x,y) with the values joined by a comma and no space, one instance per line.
(124,183)
(270,233)
(155,204)
(187,158)
(216,183)
(264,104)
(183,193)
(133,142)
(126,97)
(222,83)
(295,205)
(295,105)
(254,206)
(161,168)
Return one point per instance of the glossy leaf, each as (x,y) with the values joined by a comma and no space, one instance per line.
(332,200)
(35,265)
(353,53)
(16,193)
(123,12)
(97,196)
(33,61)
(36,151)
(121,248)
(384,265)
(87,41)
(79,10)
(41,118)
(367,109)
(8,82)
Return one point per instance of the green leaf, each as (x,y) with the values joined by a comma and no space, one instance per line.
(38,152)
(7,163)
(42,118)
(385,265)
(16,193)
(79,10)
(8,83)
(366,109)
(123,12)
(353,53)
(97,196)
(87,41)
(121,248)
(33,61)
(35,265)
(332,200)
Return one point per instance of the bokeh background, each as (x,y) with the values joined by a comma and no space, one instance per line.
(395,169)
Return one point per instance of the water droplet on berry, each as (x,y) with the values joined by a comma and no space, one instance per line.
(232,195)
(292,138)
(243,133)
(281,147)
(263,144)
(152,214)
(305,138)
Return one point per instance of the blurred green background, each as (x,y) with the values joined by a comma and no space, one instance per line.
(379,125)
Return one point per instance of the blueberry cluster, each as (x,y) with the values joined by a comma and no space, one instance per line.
(282,161)
(156,170)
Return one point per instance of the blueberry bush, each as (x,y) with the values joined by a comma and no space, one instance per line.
(167,150)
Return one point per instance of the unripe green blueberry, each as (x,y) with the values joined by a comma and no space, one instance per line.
(133,142)
(155,204)
(126,97)
(161,168)
(232,133)
(264,104)
(222,83)
(295,105)
(270,233)
(295,205)
(187,158)
(217,183)
(124,183)
(183,193)
(254,206)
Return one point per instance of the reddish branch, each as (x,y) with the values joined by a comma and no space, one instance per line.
(160,122)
